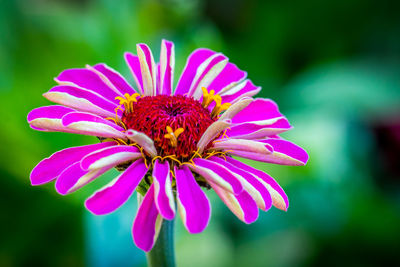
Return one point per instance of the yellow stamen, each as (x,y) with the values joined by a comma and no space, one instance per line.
(128,101)
(218,107)
(208,97)
(173,135)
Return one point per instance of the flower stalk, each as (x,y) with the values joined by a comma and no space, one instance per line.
(163,253)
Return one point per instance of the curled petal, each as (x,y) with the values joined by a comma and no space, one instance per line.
(251,184)
(114,77)
(50,168)
(148,69)
(242,205)
(142,140)
(147,223)
(73,178)
(234,146)
(235,108)
(285,152)
(113,155)
(167,64)
(89,80)
(259,131)
(118,191)
(259,111)
(217,174)
(279,198)
(89,124)
(237,92)
(194,206)
(230,76)
(212,131)
(81,99)
(48,118)
(134,65)
(196,58)
(164,197)
(206,73)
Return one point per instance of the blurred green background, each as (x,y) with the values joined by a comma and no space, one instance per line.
(332,66)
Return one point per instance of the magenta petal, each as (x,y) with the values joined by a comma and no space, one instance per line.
(206,73)
(258,110)
(48,118)
(242,205)
(81,99)
(73,178)
(164,197)
(50,112)
(217,174)
(195,59)
(51,167)
(286,152)
(148,69)
(228,77)
(279,197)
(134,65)
(113,155)
(243,89)
(256,131)
(167,64)
(89,124)
(116,79)
(147,222)
(118,191)
(89,80)
(252,185)
(194,206)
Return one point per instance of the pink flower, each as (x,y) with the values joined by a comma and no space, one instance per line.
(167,143)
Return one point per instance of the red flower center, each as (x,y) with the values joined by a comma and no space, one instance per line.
(152,115)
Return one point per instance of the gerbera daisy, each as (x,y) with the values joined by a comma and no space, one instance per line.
(167,143)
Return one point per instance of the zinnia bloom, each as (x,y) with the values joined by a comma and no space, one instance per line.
(166,143)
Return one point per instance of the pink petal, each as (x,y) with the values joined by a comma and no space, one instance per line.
(87,79)
(229,76)
(147,223)
(258,111)
(235,93)
(217,174)
(250,183)
(167,64)
(113,155)
(148,69)
(195,59)
(81,99)
(255,131)
(194,206)
(118,191)
(116,79)
(212,132)
(234,146)
(48,118)
(49,168)
(285,152)
(206,73)
(89,124)
(164,197)
(134,65)
(242,205)
(279,198)
(73,178)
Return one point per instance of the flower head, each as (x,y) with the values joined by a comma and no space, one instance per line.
(167,143)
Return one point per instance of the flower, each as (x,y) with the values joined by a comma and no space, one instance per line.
(167,143)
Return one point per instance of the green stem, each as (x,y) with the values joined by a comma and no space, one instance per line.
(162,254)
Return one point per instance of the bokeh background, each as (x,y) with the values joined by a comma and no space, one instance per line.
(333,67)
